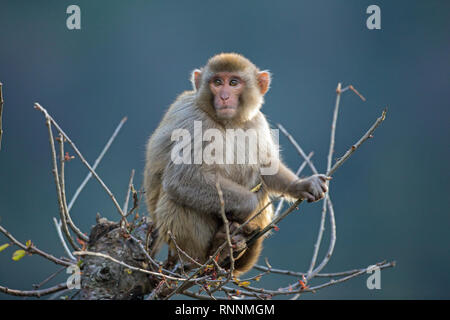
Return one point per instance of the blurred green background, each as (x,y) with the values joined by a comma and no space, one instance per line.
(132,58)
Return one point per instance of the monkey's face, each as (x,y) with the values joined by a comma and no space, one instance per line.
(226,88)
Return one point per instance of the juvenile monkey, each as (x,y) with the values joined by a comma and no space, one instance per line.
(182,197)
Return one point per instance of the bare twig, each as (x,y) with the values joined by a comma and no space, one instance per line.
(58,187)
(380,265)
(350,87)
(105,256)
(63,191)
(330,157)
(61,238)
(331,213)
(1,114)
(34,293)
(297,147)
(149,258)
(197,296)
(327,257)
(127,198)
(44,111)
(233,291)
(354,147)
(227,229)
(291,289)
(228,240)
(192,278)
(353,275)
(333,169)
(96,163)
(301,274)
(135,201)
(52,276)
(180,251)
(123,220)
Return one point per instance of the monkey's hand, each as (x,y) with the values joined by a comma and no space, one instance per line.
(244,209)
(312,188)
(238,241)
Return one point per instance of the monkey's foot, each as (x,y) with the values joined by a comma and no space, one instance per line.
(238,242)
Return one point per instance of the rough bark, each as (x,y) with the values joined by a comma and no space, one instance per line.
(105,279)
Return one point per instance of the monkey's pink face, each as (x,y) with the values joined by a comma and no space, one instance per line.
(226,87)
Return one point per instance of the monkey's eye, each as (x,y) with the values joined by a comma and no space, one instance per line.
(217,81)
(234,82)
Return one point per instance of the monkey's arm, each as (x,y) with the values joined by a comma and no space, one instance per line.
(285,182)
(191,186)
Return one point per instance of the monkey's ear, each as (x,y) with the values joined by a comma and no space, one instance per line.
(196,78)
(263,79)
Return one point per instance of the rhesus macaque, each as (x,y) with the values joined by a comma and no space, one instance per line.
(182,196)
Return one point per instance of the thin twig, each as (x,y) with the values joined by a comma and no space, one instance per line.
(1,114)
(301,274)
(101,255)
(63,192)
(44,111)
(297,147)
(180,251)
(227,228)
(380,265)
(291,288)
(61,238)
(333,169)
(34,293)
(354,147)
(332,241)
(130,183)
(149,258)
(58,186)
(96,163)
(330,157)
(350,87)
(240,291)
(331,212)
(53,275)
(362,271)
(32,249)
(228,239)
(197,296)
(135,201)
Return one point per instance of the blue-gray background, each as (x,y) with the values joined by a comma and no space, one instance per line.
(132,58)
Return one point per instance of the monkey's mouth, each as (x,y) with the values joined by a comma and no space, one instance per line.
(226,108)
(226,111)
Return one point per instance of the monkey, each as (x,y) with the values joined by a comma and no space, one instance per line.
(182,198)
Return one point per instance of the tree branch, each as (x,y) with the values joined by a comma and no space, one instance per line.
(1,114)
(33,249)
(97,162)
(33,293)
(49,118)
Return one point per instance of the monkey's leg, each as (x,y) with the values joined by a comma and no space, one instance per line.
(191,231)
